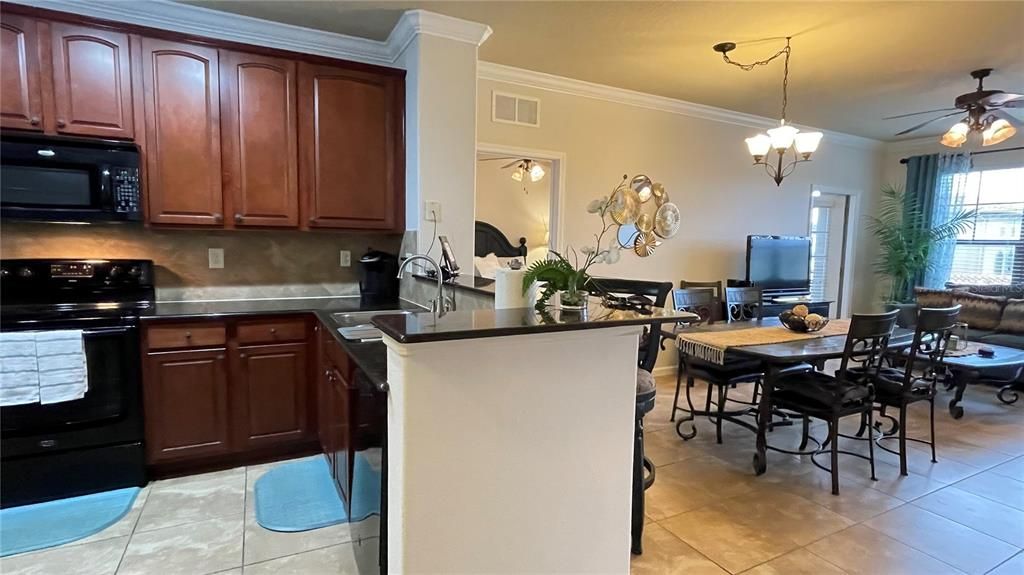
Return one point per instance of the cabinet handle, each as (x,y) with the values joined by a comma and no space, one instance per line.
(188,335)
(273,330)
(34,120)
(61,123)
(220,357)
(239,218)
(218,217)
(241,355)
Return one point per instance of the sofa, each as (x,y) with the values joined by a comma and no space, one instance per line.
(994,313)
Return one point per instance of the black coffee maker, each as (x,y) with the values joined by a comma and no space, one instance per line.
(378,277)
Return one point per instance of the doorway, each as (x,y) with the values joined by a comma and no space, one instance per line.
(828,228)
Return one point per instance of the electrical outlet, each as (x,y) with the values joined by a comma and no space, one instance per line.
(216,257)
(345,258)
(432,211)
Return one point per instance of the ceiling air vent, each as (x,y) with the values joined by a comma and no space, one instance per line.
(515,109)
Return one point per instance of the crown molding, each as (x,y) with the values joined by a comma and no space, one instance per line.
(195,20)
(415,22)
(561,84)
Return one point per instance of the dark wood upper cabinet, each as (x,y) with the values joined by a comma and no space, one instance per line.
(92,87)
(181,93)
(186,402)
(351,161)
(271,394)
(21,100)
(259,140)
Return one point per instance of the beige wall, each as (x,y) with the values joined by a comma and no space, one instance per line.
(256,263)
(503,203)
(706,170)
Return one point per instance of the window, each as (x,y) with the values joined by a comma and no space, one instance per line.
(819,250)
(992,252)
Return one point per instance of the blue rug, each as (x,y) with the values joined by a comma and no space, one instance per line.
(300,496)
(42,525)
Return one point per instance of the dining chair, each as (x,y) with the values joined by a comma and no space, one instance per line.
(650,343)
(814,394)
(716,288)
(900,387)
(743,303)
(701,301)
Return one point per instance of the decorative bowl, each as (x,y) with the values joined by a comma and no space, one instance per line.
(797,323)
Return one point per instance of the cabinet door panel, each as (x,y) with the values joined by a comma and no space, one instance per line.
(186,400)
(183,168)
(272,385)
(21,100)
(91,81)
(350,140)
(260,149)
(341,438)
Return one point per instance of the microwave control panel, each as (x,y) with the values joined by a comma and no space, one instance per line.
(126,189)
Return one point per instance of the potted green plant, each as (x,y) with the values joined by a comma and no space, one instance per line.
(568,278)
(906,241)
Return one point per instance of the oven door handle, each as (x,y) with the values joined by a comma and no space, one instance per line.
(108,330)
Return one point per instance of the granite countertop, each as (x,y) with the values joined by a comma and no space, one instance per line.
(426,326)
(473,283)
(209,309)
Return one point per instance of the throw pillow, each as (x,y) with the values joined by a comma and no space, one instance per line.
(980,311)
(1013,317)
(927,297)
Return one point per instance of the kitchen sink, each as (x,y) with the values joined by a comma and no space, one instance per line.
(349,319)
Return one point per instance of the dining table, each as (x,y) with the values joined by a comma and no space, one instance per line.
(776,357)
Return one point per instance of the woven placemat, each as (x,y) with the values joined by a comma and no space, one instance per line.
(711,345)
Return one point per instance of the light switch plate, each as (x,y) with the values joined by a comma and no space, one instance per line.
(345,258)
(216,256)
(432,211)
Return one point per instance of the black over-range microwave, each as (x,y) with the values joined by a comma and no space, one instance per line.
(60,179)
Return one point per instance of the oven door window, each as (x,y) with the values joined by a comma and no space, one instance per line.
(55,187)
(112,356)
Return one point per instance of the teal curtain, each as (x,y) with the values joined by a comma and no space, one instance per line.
(935,190)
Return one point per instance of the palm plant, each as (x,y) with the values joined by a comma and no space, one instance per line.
(906,239)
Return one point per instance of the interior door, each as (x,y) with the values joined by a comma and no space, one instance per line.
(182,104)
(21,100)
(92,87)
(259,143)
(828,237)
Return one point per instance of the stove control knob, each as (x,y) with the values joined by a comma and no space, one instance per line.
(135,271)
(4,272)
(115,271)
(25,272)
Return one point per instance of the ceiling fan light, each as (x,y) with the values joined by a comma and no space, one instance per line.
(807,143)
(517,174)
(759,146)
(782,137)
(536,172)
(998,131)
(956,136)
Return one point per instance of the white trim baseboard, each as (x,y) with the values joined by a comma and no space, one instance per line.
(188,19)
(552,83)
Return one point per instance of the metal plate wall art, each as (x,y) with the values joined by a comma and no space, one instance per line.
(627,236)
(660,195)
(623,206)
(666,221)
(643,187)
(645,222)
(645,244)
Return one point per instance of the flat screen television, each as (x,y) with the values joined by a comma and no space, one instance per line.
(780,265)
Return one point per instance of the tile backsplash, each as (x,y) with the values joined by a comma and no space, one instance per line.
(257,263)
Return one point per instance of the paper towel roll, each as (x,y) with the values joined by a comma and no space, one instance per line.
(508,288)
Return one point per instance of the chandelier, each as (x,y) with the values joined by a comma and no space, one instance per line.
(785,138)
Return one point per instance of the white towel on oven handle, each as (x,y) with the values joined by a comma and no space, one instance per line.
(63,373)
(19,370)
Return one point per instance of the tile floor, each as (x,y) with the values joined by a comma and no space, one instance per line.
(707,512)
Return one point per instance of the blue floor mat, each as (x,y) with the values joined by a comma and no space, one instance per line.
(300,496)
(42,525)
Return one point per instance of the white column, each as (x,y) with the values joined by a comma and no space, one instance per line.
(521,464)
(439,55)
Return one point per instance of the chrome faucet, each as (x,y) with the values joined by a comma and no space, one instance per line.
(439,305)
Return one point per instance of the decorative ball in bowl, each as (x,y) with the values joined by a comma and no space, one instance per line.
(801,320)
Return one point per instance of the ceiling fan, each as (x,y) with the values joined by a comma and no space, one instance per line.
(986,115)
(524,168)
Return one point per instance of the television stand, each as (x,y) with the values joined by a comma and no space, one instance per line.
(772,308)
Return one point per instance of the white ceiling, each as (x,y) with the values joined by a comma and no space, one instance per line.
(852,63)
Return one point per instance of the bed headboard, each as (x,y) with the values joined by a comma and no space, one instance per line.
(489,239)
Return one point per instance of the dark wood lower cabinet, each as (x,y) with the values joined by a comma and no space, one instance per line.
(271,388)
(186,402)
(244,400)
